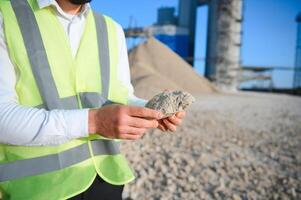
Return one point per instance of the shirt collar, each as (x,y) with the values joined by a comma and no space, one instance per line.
(45,3)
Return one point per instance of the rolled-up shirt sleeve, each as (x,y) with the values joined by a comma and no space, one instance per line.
(21,125)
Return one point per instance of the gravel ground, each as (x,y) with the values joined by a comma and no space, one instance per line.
(233,146)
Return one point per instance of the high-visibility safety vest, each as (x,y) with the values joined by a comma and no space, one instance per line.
(50,77)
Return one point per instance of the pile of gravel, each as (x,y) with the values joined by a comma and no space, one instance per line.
(243,146)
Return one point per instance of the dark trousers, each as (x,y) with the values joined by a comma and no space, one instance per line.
(101,190)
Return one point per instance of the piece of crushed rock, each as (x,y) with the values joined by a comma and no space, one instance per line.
(171,102)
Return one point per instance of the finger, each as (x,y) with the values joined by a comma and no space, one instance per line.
(142,123)
(135,131)
(162,127)
(144,112)
(169,125)
(129,137)
(181,114)
(175,120)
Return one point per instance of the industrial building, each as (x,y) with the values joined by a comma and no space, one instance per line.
(167,31)
(297,74)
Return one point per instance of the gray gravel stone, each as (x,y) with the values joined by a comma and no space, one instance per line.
(171,102)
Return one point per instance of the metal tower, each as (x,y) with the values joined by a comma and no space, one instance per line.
(297,75)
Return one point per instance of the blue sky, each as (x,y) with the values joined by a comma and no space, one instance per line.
(269,29)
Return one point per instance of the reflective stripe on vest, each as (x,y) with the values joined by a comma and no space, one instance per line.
(41,68)
(103,51)
(54,162)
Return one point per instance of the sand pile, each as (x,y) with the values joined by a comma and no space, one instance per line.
(154,67)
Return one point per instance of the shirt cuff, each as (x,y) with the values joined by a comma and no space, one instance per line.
(135,101)
(76,123)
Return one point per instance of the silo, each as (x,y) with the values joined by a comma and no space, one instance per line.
(224,43)
(166,15)
(297,74)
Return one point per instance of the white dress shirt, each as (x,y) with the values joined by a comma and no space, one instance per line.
(21,125)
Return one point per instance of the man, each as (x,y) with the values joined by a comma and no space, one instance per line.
(65,101)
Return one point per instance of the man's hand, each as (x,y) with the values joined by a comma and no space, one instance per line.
(123,122)
(171,123)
